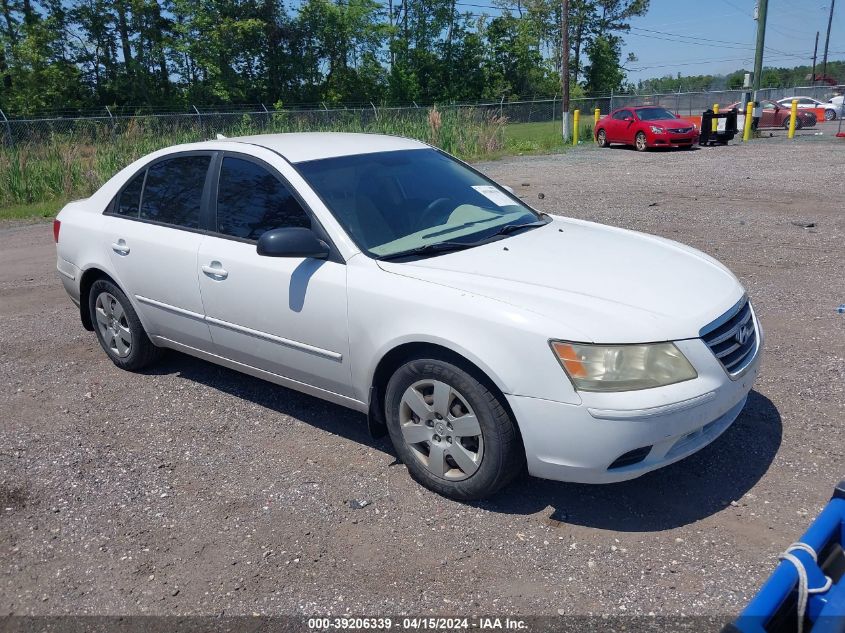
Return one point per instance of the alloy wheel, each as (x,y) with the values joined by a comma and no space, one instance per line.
(113,324)
(441,429)
(602,138)
(642,143)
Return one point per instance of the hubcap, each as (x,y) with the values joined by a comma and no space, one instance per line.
(113,325)
(441,429)
(640,141)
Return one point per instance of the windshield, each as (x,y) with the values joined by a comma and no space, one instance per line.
(654,114)
(393,202)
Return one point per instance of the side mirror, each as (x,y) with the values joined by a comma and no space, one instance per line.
(292,242)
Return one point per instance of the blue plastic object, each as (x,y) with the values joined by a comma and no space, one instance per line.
(774,608)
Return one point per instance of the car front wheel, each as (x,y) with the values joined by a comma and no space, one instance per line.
(451,431)
(601,139)
(641,142)
(830,115)
(118,328)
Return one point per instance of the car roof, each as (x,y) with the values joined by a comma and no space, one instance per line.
(305,146)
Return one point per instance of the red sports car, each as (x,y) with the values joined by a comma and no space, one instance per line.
(644,127)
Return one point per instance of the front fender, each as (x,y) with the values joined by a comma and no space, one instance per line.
(510,345)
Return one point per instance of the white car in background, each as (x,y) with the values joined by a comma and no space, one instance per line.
(384,275)
(832,110)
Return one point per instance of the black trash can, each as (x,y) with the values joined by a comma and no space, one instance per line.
(725,127)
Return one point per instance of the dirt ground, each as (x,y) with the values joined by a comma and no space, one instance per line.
(192,489)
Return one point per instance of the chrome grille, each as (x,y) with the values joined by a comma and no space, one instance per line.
(733,337)
(680,130)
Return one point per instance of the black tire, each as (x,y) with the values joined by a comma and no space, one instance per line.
(829,115)
(601,138)
(503,456)
(141,351)
(641,146)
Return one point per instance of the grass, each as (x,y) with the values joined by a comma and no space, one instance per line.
(533,137)
(31,211)
(36,178)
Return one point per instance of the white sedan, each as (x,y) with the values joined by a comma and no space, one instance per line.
(831,109)
(384,275)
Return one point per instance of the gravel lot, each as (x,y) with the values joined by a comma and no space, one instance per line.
(192,489)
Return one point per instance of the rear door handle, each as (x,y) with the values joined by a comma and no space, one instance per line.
(120,247)
(216,271)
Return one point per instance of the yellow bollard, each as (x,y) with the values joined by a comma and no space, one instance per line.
(749,114)
(596,116)
(793,117)
(715,124)
(576,120)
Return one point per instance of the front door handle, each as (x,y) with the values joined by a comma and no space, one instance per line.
(216,271)
(120,247)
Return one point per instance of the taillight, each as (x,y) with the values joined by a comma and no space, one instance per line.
(56,226)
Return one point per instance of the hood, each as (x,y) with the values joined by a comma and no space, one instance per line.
(597,283)
(671,122)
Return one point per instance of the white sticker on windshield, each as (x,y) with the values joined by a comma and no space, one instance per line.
(494,195)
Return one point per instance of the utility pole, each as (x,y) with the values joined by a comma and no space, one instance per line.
(815,52)
(564,69)
(827,39)
(760,16)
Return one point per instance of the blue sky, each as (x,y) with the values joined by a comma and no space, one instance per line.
(680,36)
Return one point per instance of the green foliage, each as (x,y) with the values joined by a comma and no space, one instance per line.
(68,166)
(772,78)
(604,73)
(73,54)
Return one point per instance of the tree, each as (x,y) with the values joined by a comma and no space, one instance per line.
(604,73)
(91,53)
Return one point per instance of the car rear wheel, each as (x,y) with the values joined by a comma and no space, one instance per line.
(830,115)
(451,431)
(601,139)
(641,142)
(118,328)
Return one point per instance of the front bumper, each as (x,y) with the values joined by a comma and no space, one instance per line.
(582,443)
(674,140)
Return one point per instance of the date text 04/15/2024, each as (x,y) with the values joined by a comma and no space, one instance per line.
(416,623)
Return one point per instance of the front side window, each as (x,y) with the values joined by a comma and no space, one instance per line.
(396,202)
(251,200)
(623,114)
(129,203)
(173,191)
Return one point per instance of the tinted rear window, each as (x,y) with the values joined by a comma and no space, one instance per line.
(173,192)
(130,199)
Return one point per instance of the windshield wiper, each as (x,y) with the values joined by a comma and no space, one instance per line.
(428,249)
(443,247)
(507,229)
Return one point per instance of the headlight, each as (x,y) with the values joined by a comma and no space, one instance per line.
(622,367)
(657,130)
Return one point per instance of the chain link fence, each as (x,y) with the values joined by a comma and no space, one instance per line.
(196,123)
